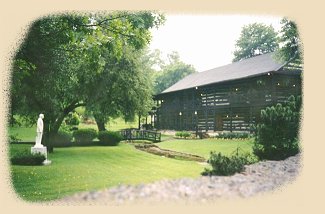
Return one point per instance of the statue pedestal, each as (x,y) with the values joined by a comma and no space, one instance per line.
(47,162)
(42,151)
(39,150)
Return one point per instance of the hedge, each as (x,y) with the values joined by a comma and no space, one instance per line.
(84,136)
(109,138)
(27,159)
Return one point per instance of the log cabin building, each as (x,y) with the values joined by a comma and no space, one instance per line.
(227,98)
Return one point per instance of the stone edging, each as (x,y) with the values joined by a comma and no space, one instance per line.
(154,149)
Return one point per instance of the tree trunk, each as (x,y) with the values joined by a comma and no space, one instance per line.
(57,123)
(100,123)
(52,126)
(47,136)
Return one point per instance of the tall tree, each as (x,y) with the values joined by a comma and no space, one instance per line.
(152,59)
(75,60)
(255,39)
(291,45)
(130,90)
(171,73)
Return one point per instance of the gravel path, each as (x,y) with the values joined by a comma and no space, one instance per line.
(257,178)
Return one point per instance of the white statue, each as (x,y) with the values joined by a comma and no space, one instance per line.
(39,130)
(38,148)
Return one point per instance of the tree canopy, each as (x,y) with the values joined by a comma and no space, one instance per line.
(90,60)
(291,45)
(255,39)
(171,73)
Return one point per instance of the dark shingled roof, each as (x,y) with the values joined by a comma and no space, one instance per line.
(245,68)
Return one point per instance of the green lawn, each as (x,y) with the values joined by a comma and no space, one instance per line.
(113,125)
(87,168)
(204,146)
(78,169)
(165,137)
(24,133)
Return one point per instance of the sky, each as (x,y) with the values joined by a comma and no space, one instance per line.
(204,41)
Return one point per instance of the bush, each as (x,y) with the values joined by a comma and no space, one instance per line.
(13,138)
(223,165)
(183,134)
(72,119)
(178,134)
(147,126)
(109,138)
(61,139)
(186,134)
(277,131)
(84,136)
(27,159)
(232,135)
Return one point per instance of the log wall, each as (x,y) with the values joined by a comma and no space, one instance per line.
(228,106)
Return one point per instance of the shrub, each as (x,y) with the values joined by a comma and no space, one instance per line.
(72,119)
(73,128)
(14,138)
(27,159)
(109,138)
(178,134)
(84,136)
(186,134)
(183,134)
(231,135)
(277,131)
(223,165)
(61,139)
(147,126)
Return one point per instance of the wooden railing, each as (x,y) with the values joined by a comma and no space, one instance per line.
(136,134)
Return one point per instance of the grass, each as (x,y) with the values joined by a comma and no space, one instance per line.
(165,137)
(205,146)
(88,168)
(79,169)
(119,123)
(24,133)
(113,125)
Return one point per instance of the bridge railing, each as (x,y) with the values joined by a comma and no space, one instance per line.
(136,134)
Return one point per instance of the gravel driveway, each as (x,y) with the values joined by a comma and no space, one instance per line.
(256,179)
